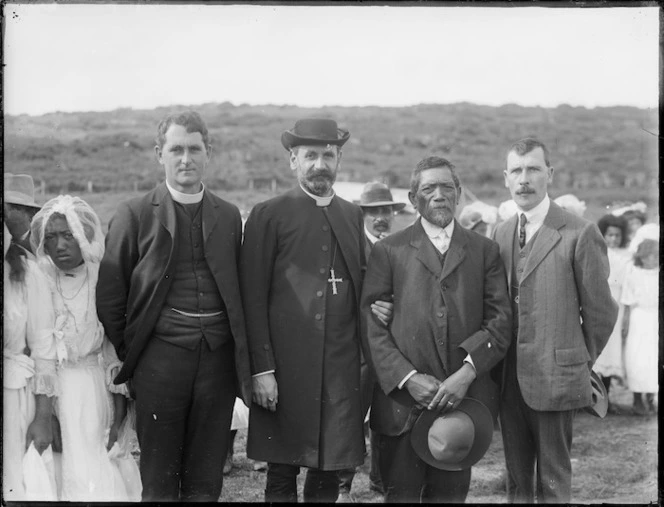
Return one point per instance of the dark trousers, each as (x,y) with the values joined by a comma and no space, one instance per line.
(408,479)
(184,406)
(319,485)
(346,476)
(535,440)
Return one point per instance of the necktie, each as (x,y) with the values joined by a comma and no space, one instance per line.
(522,230)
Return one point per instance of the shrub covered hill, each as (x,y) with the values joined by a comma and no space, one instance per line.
(601,150)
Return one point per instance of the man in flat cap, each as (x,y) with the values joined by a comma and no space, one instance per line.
(19,208)
(301,274)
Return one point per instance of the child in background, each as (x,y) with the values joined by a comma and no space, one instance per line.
(640,297)
(610,363)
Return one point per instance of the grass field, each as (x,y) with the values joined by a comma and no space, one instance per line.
(614,460)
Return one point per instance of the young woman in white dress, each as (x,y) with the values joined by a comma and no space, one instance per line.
(69,244)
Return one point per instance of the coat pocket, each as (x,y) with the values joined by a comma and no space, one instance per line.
(569,357)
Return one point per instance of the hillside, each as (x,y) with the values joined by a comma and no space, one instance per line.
(605,152)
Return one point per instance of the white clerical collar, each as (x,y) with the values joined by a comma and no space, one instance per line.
(183,198)
(538,213)
(321,202)
(434,231)
(370,236)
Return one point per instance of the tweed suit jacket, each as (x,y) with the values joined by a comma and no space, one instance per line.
(135,273)
(566,312)
(441,314)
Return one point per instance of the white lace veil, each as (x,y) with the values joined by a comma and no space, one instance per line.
(83,223)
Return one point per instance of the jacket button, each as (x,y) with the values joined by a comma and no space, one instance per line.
(440,314)
(321,271)
(166,276)
(266,347)
(324,248)
(319,293)
(326,228)
(318,316)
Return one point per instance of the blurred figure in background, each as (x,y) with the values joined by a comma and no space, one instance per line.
(506,210)
(19,208)
(640,297)
(572,204)
(610,363)
(635,220)
(479,217)
(28,365)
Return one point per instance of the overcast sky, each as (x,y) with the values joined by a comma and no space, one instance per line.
(102,57)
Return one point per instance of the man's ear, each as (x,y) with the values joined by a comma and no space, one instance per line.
(293,159)
(411,198)
(458,199)
(157,151)
(551,174)
(505,179)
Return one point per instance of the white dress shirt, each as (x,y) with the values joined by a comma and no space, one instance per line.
(535,217)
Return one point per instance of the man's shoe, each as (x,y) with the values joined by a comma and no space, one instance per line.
(344,497)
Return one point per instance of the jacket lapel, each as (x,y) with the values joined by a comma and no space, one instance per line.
(164,209)
(456,251)
(348,238)
(546,239)
(505,239)
(210,216)
(426,252)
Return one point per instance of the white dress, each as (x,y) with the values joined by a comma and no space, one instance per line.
(640,293)
(88,363)
(610,363)
(27,322)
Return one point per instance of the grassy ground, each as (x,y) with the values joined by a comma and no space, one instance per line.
(614,460)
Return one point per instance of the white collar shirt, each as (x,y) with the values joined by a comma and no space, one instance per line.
(535,217)
(370,236)
(439,236)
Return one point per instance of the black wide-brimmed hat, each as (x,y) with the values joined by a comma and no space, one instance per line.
(314,131)
(453,440)
(376,194)
(600,404)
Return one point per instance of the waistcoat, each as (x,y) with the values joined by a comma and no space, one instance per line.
(193,289)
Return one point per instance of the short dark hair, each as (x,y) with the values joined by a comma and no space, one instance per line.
(432,163)
(613,221)
(646,247)
(189,119)
(528,144)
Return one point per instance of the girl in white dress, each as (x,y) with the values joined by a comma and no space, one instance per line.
(28,365)
(640,297)
(96,435)
(610,363)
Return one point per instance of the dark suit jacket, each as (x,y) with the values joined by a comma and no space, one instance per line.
(136,273)
(566,312)
(441,314)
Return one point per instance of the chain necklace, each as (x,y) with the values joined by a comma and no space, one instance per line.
(58,285)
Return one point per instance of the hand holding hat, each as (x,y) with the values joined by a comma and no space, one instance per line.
(456,439)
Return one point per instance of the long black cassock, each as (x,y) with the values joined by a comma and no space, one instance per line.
(298,327)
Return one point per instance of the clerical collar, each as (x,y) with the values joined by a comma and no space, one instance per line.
(537,214)
(370,236)
(183,198)
(433,230)
(321,202)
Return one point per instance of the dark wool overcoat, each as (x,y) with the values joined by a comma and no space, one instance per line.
(299,329)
